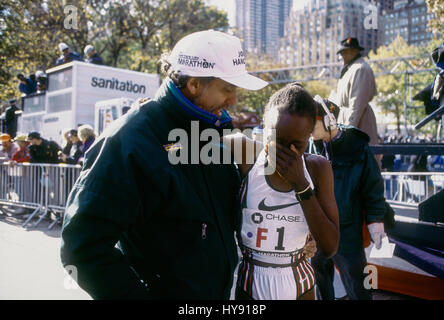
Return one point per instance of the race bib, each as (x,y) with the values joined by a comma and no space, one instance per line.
(272,232)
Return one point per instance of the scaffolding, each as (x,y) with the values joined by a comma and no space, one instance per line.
(405,66)
(331,71)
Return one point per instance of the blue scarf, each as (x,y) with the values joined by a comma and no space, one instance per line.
(195,110)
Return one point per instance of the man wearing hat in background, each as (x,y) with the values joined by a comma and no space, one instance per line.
(11,118)
(22,180)
(42,81)
(42,150)
(92,56)
(22,155)
(356,88)
(173,223)
(9,148)
(75,150)
(26,85)
(67,54)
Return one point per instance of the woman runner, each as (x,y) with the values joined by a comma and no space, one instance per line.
(281,210)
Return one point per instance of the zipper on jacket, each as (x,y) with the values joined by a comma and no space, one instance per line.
(204,231)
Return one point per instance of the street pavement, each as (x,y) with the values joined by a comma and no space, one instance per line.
(30,267)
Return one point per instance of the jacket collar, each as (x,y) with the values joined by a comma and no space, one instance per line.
(184,111)
(347,66)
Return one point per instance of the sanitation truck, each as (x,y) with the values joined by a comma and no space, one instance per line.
(73,90)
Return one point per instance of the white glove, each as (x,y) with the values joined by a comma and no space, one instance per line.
(377,232)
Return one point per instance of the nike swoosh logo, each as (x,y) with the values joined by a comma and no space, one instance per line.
(264,207)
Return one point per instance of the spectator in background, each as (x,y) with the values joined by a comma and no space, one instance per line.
(436,163)
(26,85)
(32,77)
(418,163)
(9,148)
(42,150)
(356,88)
(2,118)
(40,87)
(75,151)
(87,136)
(11,118)
(397,163)
(67,144)
(358,188)
(42,81)
(67,54)
(41,76)
(387,162)
(22,155)
(92,56)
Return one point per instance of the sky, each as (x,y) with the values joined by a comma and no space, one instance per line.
(230,5)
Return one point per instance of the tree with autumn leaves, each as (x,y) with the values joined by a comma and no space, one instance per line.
(127,34)
(132,34)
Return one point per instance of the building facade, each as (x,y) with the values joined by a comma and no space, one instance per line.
(260,24)
(385,5)
(312,35)
(408,19)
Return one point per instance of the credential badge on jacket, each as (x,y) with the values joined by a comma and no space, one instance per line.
(173,147)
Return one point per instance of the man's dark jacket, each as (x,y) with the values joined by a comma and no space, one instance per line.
(74,153)
(29,87)
(46,152)
(72,56)
(11,120)
(358,186)
(95,59)
(174,223)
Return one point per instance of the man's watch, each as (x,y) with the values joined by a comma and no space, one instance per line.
(304,194)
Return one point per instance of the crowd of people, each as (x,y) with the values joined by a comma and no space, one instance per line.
(67,55)
(411,163)
(34,83)
(289,227)
(34,148)
(38,82)
(137,226)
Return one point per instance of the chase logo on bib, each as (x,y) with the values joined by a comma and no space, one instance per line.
(271,232)
(257,217)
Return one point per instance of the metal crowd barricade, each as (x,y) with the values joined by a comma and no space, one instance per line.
(41,187)
(412,187)
(60,180)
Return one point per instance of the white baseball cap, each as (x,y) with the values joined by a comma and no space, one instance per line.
(213,54)
(63,46)
(88,49)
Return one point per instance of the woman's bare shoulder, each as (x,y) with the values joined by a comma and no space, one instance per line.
(316,161)
(317,166)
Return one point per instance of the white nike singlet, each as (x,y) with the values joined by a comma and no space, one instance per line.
(274,231)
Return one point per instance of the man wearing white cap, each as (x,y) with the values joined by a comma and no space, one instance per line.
(67,54)
(173,223)
(91,55)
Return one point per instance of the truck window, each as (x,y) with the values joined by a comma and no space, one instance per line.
(33,104)
(114,114)
(60,80)
(59,102)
